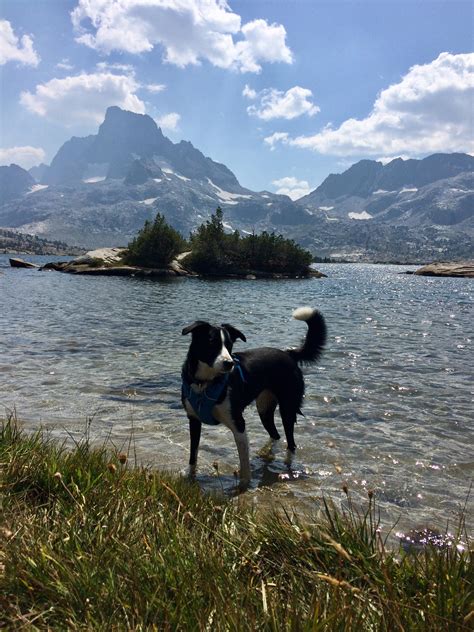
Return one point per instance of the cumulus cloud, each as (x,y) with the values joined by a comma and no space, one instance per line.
(83,98)
(429,110)
(17,49)
(263,43)
(249,92)
(292,187)
(277,104)
(169,121)
(187,30)
(278,137)
(26,156)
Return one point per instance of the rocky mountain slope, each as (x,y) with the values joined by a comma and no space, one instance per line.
(123,138)
(438,190)
(14,181)
(99,190)
(12,242)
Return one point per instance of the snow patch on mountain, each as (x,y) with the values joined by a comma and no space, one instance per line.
(94,179)
(363,215)
(36,187)
(226,196)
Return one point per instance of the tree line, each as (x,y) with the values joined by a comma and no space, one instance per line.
(213,251)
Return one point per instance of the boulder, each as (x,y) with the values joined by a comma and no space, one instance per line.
(19,263)
(456,269)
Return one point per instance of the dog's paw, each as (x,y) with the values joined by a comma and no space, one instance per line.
(289,458)
(189,472)
(244,480)
(244,484)
(266,452)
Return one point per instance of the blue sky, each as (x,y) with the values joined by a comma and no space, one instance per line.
(283,92)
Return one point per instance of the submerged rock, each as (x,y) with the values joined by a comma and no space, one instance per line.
(19,263)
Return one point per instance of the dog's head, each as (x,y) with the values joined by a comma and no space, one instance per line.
(211,348)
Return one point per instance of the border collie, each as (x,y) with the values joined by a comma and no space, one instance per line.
(217,385)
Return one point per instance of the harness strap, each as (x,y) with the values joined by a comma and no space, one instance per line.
(204,402)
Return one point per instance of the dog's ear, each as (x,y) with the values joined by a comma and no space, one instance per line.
(233,332)
(198,324)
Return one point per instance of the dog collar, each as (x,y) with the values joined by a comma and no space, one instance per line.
(204,401)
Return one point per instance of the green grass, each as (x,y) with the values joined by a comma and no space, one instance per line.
(91,542)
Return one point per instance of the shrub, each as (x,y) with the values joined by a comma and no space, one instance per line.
(156,244)
(214,251)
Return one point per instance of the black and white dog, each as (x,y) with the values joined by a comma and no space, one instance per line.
(218,385)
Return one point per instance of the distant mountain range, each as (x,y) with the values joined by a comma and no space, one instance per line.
(437,190)
(99,190)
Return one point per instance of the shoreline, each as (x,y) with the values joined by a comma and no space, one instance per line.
(461,268)
(90,538)
(108,262)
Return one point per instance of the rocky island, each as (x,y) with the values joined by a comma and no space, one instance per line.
(109,262)
(158,250)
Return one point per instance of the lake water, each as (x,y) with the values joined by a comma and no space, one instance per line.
(389,407)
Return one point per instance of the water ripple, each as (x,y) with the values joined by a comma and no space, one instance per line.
(389,408)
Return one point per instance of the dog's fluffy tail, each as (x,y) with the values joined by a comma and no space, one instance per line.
(313,344)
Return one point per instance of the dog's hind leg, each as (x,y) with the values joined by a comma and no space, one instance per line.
(242,443)
(195,437)
(266,406)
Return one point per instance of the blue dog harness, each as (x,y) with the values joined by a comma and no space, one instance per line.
(203,402)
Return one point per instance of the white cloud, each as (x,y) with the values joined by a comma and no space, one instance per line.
(292,187)
(155,87)
(263,42)
(169,121)
(83,98)
(64,64)
(277,137)
(429,110)
(249,92)
(104,66)
(14,49)
(188,31)
(26,157)
(383,159)
(277,104)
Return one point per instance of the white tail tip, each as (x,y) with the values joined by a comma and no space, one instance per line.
(303,313)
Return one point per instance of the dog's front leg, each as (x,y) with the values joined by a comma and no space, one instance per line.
(242,443)
(236,423)
(195,437)
(237,426)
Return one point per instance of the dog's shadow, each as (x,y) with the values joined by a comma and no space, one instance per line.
(269,467)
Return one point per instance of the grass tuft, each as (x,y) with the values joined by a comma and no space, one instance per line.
(90,542)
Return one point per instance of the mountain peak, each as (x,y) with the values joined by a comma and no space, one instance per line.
(129,125)
(123,138)
(13,182)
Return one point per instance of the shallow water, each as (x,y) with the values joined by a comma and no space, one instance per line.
(387,409)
